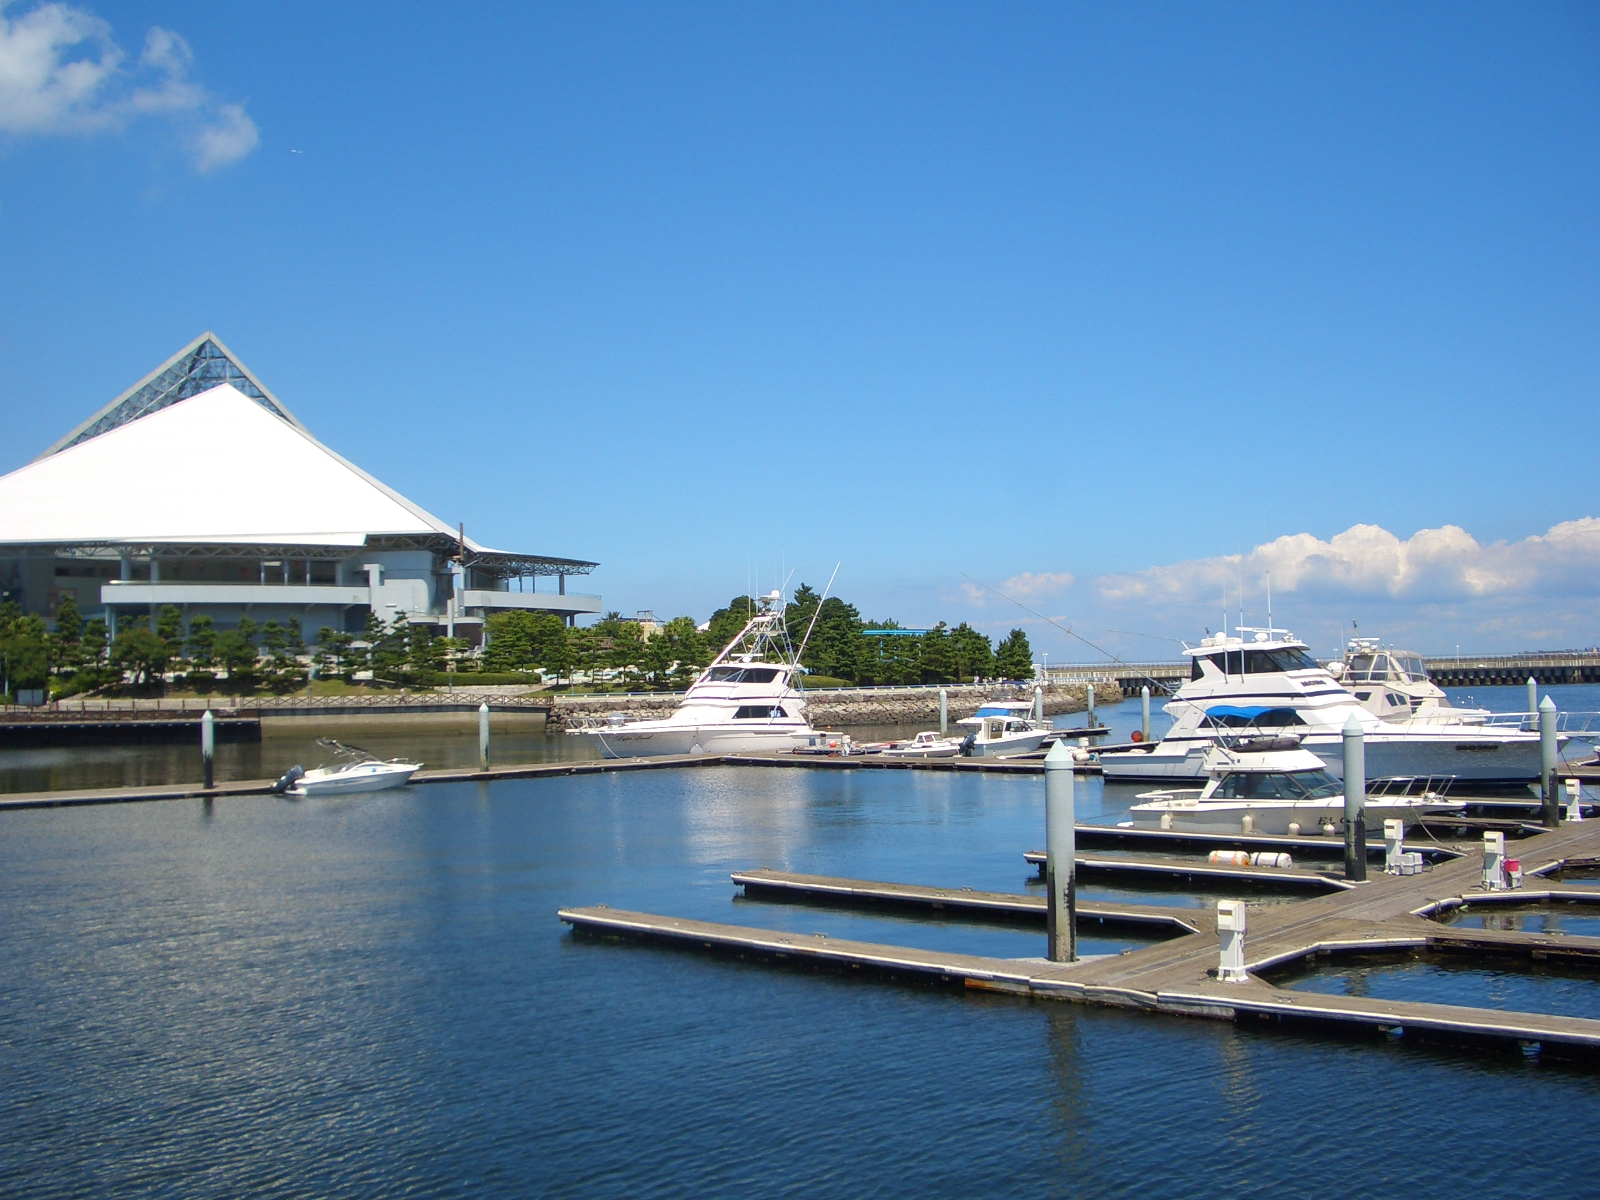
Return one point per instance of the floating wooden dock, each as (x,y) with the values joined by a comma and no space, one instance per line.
(965,902)
(1178,976)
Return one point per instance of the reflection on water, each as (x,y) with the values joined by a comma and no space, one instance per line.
(1538,987)
(373,997)
(1577,919)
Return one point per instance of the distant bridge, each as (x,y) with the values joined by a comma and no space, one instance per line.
(1561,666)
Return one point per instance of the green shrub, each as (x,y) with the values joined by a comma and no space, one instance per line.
(822,681)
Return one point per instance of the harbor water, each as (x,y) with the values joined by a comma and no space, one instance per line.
(373,997)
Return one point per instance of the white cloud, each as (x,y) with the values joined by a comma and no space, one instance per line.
(1045,583)
(1367,561)
(62,73)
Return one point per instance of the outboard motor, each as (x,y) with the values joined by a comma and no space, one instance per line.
(967,743)
(288,779)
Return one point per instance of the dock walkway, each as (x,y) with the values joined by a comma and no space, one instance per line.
(1178,976)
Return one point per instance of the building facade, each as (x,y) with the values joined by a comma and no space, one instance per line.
(197,488)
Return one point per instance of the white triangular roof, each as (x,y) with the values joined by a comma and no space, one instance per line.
(215,467)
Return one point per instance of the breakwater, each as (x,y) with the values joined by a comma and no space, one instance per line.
(847,707)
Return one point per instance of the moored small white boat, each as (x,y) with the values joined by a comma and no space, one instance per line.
(1003,727)
(925,745)
(1271,786)
(353,772)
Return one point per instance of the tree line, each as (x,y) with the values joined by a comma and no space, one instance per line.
(80,656)
(839,647)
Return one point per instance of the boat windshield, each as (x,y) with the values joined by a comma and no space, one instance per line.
(1411,664)
(1279,785)
(741,674)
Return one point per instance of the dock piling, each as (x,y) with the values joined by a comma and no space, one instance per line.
(1038,703)
(208,746)
(1230,933)
(944,712)
(1547,763)
(1061,852)
(1144,712)
(1355,801)
(1090,696)
(1533,696)
(483,735)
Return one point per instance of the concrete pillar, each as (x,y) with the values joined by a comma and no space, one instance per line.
(155,569)
(1547,763)
(127,566)
(1090,696)
(1533,696)
(1038,704)
(1144,711)
(1355,800)
(1061,852)
(944,712)
(208,745)
(561,583)
(483,735)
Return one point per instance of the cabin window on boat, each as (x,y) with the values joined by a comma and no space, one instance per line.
(1301,785)
(1262,662)
(1412,666)
(742,675)
(757,712)
(1196,671)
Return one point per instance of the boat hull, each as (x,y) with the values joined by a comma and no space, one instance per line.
(1224,817)
(1480,760)
(648,740)
(353,783)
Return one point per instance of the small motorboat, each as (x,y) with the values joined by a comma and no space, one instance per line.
(1003,727)
(925,745)
(351,771)
(1270,785)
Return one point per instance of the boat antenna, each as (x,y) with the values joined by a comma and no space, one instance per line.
(1069,632)
(817,614)
(1269,603)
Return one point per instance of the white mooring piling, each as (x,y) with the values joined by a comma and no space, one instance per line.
(1230,933)
(1144,712)
(1090,696)
(1061,852)
(208,746)
(1533,696)
(944,712)
(483,735)
(1355,800)
(1038,703)
(1494,861)
(1547,762)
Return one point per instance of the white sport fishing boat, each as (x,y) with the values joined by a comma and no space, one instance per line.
(1272,684)
(1003,727)
(351,771)
(1271,786)
(744,702)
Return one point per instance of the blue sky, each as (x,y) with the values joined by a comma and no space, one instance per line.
(1077,301)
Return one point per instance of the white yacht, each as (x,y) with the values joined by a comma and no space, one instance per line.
(1271,786)
(1394,685)
(1003,727)
(744,701)
(1272,684)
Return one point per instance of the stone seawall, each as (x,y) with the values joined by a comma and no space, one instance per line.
(855,706)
